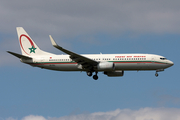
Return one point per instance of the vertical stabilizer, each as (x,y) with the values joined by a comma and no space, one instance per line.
(27,45)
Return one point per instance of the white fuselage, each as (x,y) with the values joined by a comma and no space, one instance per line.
(121,62)
(113,65)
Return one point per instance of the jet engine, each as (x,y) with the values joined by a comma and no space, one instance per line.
(114,73)
(105,66)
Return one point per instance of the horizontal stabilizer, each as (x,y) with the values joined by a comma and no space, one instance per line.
(19,56)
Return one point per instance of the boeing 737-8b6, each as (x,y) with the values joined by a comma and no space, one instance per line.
(110,64)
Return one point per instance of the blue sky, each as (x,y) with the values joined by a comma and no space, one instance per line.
(29,93)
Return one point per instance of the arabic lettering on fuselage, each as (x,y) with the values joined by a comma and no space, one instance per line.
(130,56)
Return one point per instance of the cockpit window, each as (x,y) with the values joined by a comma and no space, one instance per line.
(163,58)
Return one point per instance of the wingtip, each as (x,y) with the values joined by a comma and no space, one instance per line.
(8,51)
(52,41)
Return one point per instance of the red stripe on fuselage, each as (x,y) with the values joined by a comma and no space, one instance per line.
(50,63)
(76,63)
(141,62)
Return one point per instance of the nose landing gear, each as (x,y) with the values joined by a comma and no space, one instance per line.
(156,74)
(159,70)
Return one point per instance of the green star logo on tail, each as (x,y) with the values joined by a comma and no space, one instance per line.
(32,49)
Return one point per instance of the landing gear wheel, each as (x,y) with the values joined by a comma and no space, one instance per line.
(95,77)
(156,74)
(89,73)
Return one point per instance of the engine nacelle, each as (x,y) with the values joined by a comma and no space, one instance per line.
(114,73)
(105,66)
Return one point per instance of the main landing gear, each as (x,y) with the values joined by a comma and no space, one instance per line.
(95,77)
(89,73)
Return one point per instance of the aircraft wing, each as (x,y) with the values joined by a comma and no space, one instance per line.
(19,56)
(87,63)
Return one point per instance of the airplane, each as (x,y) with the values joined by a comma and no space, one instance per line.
(112,65)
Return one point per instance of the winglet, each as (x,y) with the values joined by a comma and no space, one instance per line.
(52,41)
(55,44)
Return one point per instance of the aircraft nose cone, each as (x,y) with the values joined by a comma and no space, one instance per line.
(171,63)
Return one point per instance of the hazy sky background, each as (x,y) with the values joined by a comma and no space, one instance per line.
(116,26)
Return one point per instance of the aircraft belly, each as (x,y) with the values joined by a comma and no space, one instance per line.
(118,66)
(60,67)
(138,66)
(129,66)
(68,67)
(155,66)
